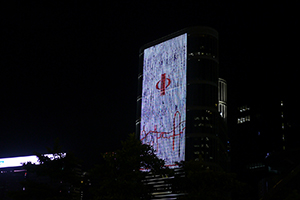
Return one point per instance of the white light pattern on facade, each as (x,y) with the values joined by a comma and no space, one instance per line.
(163,111)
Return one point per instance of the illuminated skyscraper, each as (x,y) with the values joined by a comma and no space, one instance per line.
(181,103)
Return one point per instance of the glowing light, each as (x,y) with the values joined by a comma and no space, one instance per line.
(163,112)
(19,161)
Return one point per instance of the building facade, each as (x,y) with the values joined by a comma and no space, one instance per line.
(181,103)
(262,143)
(261,128)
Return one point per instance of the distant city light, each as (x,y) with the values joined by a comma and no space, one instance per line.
(19,161)
(268,154)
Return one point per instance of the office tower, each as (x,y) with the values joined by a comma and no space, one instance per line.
(181,107)
(262,127)
(262,142)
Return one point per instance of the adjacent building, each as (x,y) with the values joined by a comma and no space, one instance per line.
(261,128)
(262,138)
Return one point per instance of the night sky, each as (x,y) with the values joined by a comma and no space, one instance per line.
(69,70)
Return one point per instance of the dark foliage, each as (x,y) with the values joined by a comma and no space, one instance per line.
(53,179)
(200,182)
(121,175)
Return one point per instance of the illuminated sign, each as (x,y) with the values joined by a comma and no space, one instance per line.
(163,111)
(19,161)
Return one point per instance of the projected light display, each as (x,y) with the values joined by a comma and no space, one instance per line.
(163,112)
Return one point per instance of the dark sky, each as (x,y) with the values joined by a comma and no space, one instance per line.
(69,70)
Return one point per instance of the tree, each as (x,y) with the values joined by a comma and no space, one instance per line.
(54,178)
(200,182)
(121,174)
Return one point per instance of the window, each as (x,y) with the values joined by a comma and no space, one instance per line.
(243,119)
(248,118)
(243,108)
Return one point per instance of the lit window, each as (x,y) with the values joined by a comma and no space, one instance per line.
(281,103)
(196,152)
(248,118)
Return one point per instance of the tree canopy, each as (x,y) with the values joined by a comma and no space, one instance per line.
(54,178)
(201,182)
(120,175)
